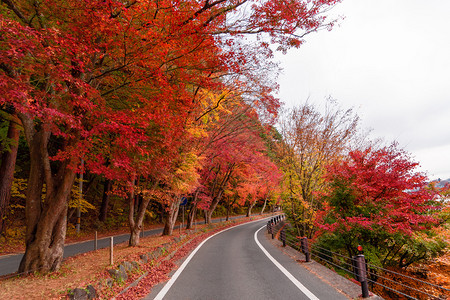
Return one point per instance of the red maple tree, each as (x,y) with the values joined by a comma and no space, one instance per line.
(376,199)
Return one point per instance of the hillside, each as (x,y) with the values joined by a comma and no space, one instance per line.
(441,183)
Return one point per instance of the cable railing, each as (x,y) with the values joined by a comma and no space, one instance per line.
(409,277)
(401,284)
(358,267)
(394,290)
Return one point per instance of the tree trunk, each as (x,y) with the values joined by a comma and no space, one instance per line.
(134,236)
(264,206)
(208,216)
(217,190)
(172,216)
(134,228)
(191,216)
(45,252)
(7,168)
(161,214)
(136,225)
(192,211)
(230,205)
(136,222)
(249,208)
(46,220)
(105,200)
(212,207)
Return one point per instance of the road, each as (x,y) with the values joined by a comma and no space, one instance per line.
(10,263)
(233,265)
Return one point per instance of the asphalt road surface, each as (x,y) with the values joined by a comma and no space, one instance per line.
(10,263)
(235,264)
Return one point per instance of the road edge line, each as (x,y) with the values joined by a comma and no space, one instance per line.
(294,280)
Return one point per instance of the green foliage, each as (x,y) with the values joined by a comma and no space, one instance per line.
(220,211)
(388,250)
(422,246)
(3,133)
(116,218)
(444,215)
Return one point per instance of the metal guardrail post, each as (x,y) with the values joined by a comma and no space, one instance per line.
(305,249)
(269,227)
(359,269)
(283,237)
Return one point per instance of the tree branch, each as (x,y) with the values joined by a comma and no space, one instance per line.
(16,11)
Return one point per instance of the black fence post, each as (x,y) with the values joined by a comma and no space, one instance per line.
(359,269)
(283,237)
(305,249)
(269,227)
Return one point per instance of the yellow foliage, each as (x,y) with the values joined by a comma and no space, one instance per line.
(19,188)
(77,201)
(150,214)
(186,175)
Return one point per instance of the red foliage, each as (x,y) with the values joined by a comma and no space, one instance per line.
(116,83)
(382,190)
(118,77)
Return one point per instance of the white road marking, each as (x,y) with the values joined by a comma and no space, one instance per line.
(294,280)
(172,280)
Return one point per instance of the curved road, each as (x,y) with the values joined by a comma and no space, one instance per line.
(235,264)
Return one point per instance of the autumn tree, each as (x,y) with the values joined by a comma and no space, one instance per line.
(311,140)
(258,182)
(378,200)
(232,147)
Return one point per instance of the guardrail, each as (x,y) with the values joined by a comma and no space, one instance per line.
(356,266)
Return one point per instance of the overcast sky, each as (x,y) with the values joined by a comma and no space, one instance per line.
(390,60)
